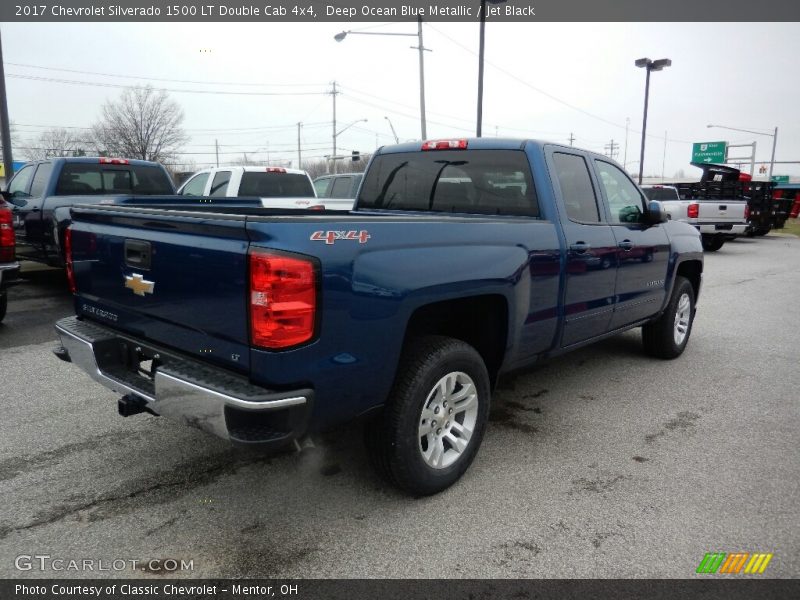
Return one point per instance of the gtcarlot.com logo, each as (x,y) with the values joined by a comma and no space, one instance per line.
(735,563)
(45,562)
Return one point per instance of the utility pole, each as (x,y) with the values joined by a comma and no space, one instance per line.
(664,157)
(612,148)
(8,159)
(333,156)
(421,49)
(571,138)
(625,158)
(216,150)
(299,163)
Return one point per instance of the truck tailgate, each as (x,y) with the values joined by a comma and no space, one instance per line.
(178,279)
(721,211)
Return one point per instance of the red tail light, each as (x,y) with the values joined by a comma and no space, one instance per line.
(6,235)
(68,259)
(317,207)
(283,299)
(445,145)
(693,211)
(113,161)
(746,212)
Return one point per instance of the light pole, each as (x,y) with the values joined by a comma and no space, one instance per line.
(479,126)
(648,65)
(337,134)
(394,133)
(422,49)
(774,137)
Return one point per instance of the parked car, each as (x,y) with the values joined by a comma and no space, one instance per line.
(9,267)
(340,187)
(717,220)
(39,189)
(462,260)
(277,187)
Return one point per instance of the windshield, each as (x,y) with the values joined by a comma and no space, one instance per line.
(493,182)
(275,185)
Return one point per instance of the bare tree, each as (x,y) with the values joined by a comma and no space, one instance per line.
(143,123)
(56,142)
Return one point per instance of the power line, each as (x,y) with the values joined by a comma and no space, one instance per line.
(147,78)
(173,90)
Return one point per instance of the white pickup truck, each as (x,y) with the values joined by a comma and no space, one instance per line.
(717,220)
(278,187)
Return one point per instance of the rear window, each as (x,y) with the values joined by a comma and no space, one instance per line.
(661,194)
(275,185)
(83,179)
(489,182)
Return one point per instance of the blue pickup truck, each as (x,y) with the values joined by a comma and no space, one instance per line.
(462,260)
(42,192)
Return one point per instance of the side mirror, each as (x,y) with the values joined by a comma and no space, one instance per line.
(655,213)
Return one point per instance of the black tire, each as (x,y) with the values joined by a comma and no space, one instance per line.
(3,305)
(712,243)
(393,440)
(659,336)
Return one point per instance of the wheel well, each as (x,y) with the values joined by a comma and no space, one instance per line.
(693,271)
(480,321)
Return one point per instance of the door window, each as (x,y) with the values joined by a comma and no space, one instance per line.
(624,199)
(196,185)
(19,184)
(40,179)
(219,187)
(576,186)
(321,187)
(341,187)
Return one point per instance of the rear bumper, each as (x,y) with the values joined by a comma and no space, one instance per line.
(212,399)
(8,274)
(723,228)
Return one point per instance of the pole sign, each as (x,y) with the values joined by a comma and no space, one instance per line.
(709,152)
(780,178)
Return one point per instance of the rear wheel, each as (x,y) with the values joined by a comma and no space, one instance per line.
(712,243)
(433,423)
(667,336)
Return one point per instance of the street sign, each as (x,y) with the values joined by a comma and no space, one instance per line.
(780,178)
(709,152)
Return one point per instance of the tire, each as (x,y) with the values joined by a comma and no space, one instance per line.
(712,243)
(667,336)
(432,377)
(3,305)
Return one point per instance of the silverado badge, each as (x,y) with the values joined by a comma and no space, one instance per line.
(139,285)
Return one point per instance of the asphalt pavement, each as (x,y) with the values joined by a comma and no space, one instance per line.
(601,463)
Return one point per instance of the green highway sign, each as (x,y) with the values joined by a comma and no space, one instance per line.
(709,152)
(780,178)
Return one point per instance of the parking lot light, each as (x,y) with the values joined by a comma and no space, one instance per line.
(648,65)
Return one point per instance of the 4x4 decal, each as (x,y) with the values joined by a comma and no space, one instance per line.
(330,237)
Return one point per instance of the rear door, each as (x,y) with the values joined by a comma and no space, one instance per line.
(642,250)
(591,250)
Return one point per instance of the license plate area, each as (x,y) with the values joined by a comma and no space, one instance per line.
(129,362)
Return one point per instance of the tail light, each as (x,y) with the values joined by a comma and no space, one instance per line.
(693,211)
(317,207)
(283,299)
(68,259)
(746,212)
(445,145)
(6,235)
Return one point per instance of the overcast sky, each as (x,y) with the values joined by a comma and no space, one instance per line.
(542,80)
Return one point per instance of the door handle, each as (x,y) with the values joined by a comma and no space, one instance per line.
(626,245)
(579,247)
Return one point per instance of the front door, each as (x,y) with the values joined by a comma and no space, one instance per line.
(642,249)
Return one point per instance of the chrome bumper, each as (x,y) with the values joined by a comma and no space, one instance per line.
(208,398)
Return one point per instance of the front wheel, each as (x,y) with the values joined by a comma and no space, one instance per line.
(433,423)
(667,336)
